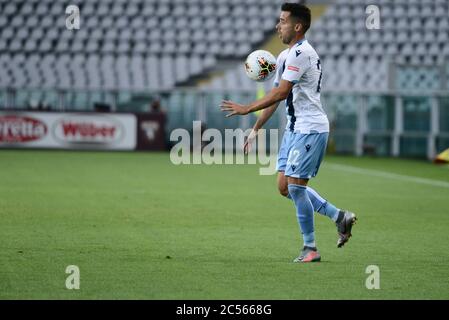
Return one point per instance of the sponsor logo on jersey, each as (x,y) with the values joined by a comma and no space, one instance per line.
(293,68)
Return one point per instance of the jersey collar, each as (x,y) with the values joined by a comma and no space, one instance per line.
(300,42)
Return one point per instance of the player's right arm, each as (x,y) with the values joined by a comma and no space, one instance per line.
(266,114)
(261,120)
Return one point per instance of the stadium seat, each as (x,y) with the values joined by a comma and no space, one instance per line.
(203,31)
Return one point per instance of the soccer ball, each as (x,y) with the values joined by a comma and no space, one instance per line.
(260,65)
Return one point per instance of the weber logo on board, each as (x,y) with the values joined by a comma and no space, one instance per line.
(19,129)
(90,130)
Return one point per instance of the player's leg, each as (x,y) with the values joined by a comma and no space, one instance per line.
(283,153)
(304,213)
(344,219)
(282,164)
(319,204)
(323,206)
(315,149)
(301,163)
(283,185)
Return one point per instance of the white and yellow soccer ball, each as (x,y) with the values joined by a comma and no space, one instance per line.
(260,65)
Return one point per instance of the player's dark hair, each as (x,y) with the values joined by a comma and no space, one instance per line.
(300,12)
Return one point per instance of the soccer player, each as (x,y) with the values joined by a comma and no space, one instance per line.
(298,80)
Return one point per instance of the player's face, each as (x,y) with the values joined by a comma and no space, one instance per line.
(286,27)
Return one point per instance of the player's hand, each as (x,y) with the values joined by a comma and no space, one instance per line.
(235,108)
(247,146)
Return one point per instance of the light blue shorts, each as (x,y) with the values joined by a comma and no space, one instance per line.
(283,151)
(305,153)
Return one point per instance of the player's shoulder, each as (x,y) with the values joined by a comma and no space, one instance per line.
(309,49)
(305,48)
(302,52)
(283,54)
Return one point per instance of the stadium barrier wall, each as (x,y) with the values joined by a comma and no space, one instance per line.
(391,123)
(89,130)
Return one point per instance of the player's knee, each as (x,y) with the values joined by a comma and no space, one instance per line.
(282,184)
(283,191)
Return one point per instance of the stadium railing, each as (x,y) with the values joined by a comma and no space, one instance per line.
(395,123)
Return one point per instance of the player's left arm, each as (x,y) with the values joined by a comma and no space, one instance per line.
(276,95)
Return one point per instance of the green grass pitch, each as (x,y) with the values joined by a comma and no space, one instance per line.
(139,227)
